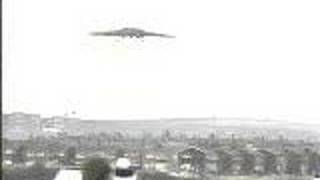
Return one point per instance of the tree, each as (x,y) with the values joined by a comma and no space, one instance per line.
(166,135)
(270,164)
(212,140)
(247,163)
(224,162)
(96,169)
(70,156)
(314,163)
(120,152)
(20,154)
(294,162)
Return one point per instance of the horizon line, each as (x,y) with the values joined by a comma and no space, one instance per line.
(176,118)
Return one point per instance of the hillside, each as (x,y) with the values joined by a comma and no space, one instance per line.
(23,125)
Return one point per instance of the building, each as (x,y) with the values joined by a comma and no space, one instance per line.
(53,126)
(20,125)
(192,159)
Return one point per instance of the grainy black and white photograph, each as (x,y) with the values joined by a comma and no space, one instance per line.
(160,90)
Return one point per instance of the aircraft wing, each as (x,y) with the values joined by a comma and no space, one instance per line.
(158,34)
(107,33)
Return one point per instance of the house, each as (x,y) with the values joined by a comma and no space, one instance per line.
(149,162)
(6,163)
(281,163)
(192,159)
(236,164)
(162,165)
(8,154)
(20,125)
(53,126)
(156,162)
(211,163)
(235,161)
(265,162)
(229,161)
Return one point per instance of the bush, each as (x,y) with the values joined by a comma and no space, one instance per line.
(36,172)
(96,169)
(70,156)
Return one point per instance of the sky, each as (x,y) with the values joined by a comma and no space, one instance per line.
(230,58)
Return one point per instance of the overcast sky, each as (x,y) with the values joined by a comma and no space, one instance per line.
(230,58)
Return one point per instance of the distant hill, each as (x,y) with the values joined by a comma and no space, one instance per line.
(23,125)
